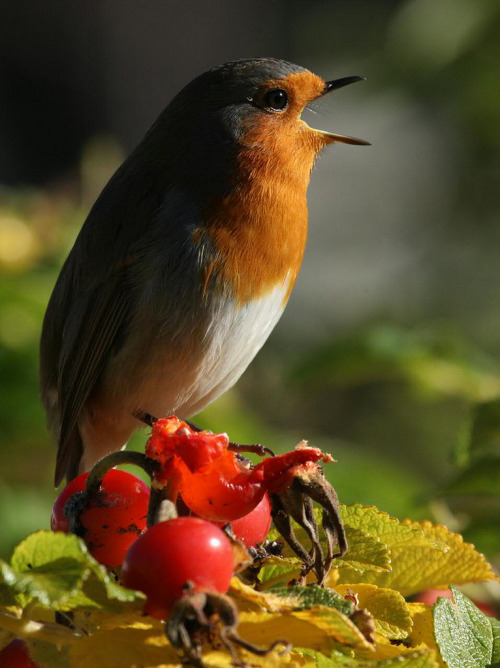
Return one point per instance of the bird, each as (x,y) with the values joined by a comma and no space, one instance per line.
(186,260)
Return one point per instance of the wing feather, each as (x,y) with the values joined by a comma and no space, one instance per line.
(83,364)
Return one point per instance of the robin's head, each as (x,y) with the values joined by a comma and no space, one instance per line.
(249,106)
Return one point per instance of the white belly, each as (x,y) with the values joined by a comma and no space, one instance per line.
(179,377)
(234,335)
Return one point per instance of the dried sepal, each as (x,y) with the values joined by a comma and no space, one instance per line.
(206,618)
(296,502)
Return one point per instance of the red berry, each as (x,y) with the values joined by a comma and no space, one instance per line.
(254,527)
(430,596)
(172,553)
(16,655)
(112,520)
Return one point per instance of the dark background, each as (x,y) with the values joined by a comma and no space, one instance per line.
(391,335)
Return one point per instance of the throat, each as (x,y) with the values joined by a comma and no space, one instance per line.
(256,235)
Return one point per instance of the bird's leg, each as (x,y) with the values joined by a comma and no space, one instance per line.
(255,448)
(147,418)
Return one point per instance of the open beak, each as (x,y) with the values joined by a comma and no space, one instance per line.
(331,137)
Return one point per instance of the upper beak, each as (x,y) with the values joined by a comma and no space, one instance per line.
(331,137)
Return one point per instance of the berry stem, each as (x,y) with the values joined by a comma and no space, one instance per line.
(96,475)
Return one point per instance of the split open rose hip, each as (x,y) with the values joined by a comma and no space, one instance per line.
(219,485)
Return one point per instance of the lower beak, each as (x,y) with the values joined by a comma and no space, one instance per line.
(331,137)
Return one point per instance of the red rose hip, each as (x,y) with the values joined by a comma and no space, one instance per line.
(111,520)
(173,553)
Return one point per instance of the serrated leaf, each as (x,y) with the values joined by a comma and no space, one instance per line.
(313,595)
(417,564)
(388,608)
(124,642)
(249,599)
(365,552)
(50,567)
(316,628)
(100,592)
(418,659)
(466,637)
(56,570)
(389,530)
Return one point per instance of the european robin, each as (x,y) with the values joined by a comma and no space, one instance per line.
(186,260)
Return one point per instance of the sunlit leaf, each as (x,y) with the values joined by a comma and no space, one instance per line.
(313,595)
(419,659)
(50,567)
(417,563)
(316,628)
(422,632)
(467,638)
(388,608)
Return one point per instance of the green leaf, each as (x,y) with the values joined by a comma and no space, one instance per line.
(100,591)
(315,595)
(366,552)
(484,533)
(483,436)
(50,567)
(437,361)
(7,582)
(276,570)
(481,477)
(387,529)
(466,637)
(57,570)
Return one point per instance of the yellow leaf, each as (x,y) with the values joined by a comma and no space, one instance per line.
(382,526)
(249,599)
(140,644)
(422,632)
(389,609)
(315,628)
(386,653)
(143,645)
(418,563)
(36,630)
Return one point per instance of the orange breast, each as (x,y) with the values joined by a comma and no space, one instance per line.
(259,230)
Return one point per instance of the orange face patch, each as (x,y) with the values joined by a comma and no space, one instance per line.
(259,230)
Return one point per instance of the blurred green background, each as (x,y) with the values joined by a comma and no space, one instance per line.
(388,354)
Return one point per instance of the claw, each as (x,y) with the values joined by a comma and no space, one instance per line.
(255,449)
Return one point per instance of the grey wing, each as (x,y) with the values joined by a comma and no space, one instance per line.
(82,361)
(90,305)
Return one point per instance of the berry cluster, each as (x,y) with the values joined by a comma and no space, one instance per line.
(181,541)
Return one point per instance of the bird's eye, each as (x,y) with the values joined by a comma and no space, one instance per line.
(276,99)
